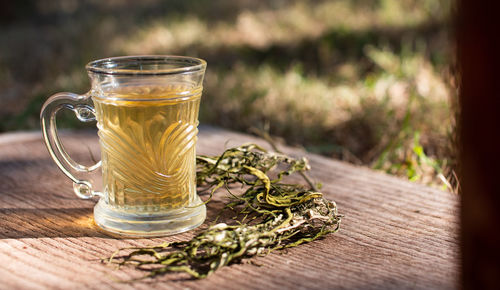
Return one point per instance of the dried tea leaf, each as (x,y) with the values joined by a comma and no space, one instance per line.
(271,215)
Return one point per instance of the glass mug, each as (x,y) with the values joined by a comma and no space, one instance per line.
(146,109)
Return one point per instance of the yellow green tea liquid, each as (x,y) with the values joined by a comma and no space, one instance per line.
(148,136)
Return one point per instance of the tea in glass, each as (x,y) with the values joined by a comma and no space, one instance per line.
(146,109)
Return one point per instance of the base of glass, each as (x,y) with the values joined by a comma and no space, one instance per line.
(149,225)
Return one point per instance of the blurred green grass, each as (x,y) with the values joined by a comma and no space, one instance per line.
(369,82)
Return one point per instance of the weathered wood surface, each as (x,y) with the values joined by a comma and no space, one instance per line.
(395,234)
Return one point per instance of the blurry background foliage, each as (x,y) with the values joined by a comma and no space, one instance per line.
(366,81)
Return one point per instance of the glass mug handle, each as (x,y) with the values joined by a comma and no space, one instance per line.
(84,112)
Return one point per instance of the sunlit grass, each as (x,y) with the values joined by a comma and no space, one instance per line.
(260,29)
(388,119)
(363,81)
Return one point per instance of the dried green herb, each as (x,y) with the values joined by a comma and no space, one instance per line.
(269,215)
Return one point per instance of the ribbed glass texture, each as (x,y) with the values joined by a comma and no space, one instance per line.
(148,147)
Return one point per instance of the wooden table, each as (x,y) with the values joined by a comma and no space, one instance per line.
(395,234)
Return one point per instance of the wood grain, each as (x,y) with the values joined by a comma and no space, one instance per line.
(394,235)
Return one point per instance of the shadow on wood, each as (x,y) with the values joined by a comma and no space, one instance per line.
(19,223)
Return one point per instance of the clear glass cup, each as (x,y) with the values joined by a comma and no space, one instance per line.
(146,109)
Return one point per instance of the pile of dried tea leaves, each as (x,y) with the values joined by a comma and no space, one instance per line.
(269,215)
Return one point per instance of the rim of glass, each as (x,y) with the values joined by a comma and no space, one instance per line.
(114,65)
